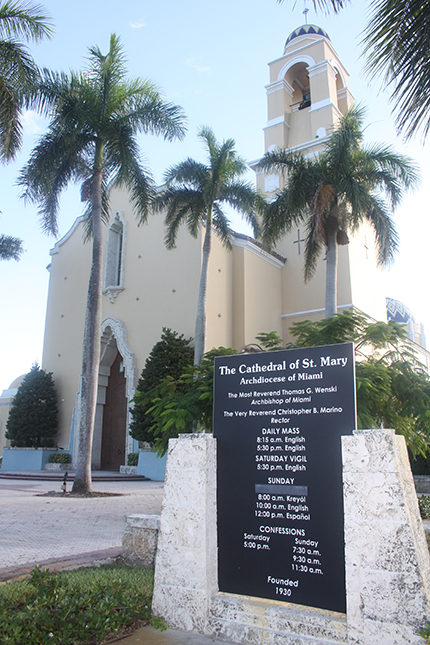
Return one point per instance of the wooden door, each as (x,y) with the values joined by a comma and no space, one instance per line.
(114,419)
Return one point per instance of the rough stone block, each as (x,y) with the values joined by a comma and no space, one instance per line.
(139,543)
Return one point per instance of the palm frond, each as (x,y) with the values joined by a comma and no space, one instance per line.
(24,20)
(55,161)
(154,116)
(313,247)
(182,205)
(10,247)
(243,198)
(327,5)
(397,42)
(386,236)
(188,172)
(221,226)
(280,160)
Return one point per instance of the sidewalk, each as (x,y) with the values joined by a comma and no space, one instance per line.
(64,532)
(37,529)
(151,636)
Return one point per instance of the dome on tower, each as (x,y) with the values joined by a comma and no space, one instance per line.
(305,30)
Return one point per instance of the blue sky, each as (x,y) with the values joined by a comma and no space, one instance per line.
(210,58)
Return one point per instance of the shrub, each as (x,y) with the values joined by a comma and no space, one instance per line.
(84,606)
(171,356)
(424,632)
(420,465)
(187,403)
(60,458)
(424,504)
(132,459)
(33,417)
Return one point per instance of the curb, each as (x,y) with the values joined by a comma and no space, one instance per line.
(59,564)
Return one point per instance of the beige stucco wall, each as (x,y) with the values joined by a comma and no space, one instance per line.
(159,289)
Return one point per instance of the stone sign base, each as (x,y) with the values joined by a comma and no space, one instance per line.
(387,561)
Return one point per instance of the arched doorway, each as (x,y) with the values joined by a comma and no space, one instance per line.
(117,379)
(114,418)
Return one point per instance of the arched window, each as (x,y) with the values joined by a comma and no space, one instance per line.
(114,267)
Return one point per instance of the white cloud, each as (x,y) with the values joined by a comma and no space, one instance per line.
(137,25)
(30,120)
(196,65)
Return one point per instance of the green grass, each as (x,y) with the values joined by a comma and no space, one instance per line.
(74,607)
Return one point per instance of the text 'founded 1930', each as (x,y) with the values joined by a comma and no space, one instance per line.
(278,419)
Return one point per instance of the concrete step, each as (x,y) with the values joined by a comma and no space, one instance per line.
(45,475)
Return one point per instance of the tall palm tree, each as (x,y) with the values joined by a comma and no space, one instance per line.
(196,194)
(334,193)
(18,72)
(95,116)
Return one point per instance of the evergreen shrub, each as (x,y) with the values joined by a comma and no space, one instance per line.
(132,459)
(60,458)
(170,357)
(84,606)
(33,417)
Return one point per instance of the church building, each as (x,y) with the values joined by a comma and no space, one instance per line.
(147,287)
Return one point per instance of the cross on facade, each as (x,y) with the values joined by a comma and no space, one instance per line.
(298,241)
(366,247)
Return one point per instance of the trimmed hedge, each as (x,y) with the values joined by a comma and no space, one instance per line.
(60,458)
(132,459)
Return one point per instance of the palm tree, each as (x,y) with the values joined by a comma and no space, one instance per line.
(18,71)
(334,193)
(397,43)
(95,116)
(10,247)
(195,194)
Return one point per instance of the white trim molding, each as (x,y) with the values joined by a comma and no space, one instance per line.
(72,229)
(323,67)
(276,121)
(248,245)
(280,84)
(307,60)
(314,311)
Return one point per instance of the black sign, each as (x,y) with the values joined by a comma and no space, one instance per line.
(278,420)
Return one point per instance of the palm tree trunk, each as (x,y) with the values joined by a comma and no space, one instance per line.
(91,349)
(331,275)
(200,331)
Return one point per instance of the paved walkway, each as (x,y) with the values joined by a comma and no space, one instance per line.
(40,529)
(65,531)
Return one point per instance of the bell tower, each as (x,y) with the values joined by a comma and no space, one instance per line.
(307,95)
(308,91)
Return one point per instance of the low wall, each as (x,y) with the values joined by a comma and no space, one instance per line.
(152,466)
(25,458)
(60,467)
(139,544)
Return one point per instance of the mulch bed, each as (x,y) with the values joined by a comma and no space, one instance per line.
(54,493)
